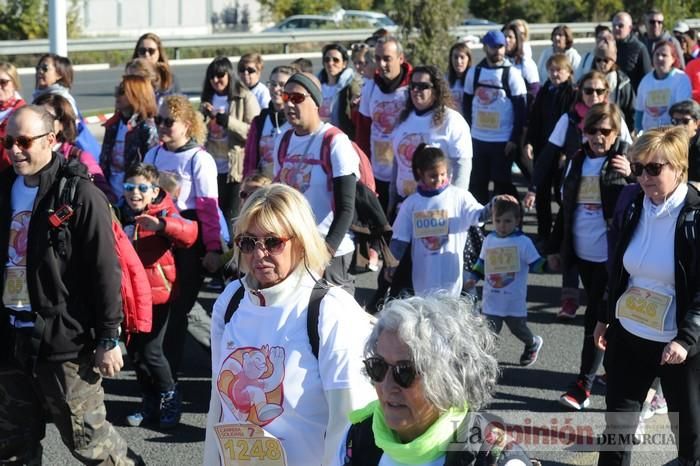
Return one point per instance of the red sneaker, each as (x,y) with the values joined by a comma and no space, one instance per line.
(569,306)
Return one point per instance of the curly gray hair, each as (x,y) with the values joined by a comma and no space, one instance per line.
(452,347)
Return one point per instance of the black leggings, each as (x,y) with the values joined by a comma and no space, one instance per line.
(146,351)
(229,200)
(594,276)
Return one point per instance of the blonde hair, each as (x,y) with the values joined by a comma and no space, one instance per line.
(181,109)
(285,211)
(11,71)
(523,26)
(670,141)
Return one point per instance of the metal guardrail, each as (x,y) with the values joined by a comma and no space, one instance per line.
(25,47)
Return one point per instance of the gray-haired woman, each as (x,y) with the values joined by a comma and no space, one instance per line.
(439,354)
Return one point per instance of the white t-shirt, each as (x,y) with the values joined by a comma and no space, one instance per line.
(651,263)
(528,68)
(452,136)
(437,228)
(329,92)
(217,136)
(384,110)
(16,294)
(506,265)
(492,111)
(590,229)
(265,373)
(262,93)
(268,140)
(558,135)
(457,90)
(302,170)
(196,168)
(655,97)
(116,179)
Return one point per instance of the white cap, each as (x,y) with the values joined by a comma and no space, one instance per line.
(681,27)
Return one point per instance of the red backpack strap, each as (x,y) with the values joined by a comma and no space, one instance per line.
(282,150)
(326,154)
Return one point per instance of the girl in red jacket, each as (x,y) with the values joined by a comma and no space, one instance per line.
(154,225)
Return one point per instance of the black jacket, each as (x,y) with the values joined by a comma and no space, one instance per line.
(550,103)
(687,259)
(694,159)
(623,95)
(633,59)
(76,296)
(611,184)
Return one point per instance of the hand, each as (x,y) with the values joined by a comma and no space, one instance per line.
(599,339)
(510,147)
(221,119)
(206,108)
(150,223)
(109,362)
(529,200)
(528,151)
(554,262)
(212,261)
(621,164)
(673,353)
(277,356)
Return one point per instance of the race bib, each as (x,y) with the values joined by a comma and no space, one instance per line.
(15,295)
(383,152)
(488,120)
(502,260)
(658,98)
(644,306)
(428,223)
(249,445)
(589,190)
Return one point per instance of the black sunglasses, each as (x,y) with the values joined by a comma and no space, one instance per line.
(249,70)
(147,50)
(43,67)
(591,90)
(23,142)
(167,122)
(594,131)
(141,187)
(652,168)
(403,372)
(272,244)
(420,86)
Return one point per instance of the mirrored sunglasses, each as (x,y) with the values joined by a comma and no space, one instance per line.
(272,244)
(141,187)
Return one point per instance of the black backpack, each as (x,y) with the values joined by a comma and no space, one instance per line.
(505,75)
(317,295)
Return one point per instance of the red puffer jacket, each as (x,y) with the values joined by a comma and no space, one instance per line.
(155,248)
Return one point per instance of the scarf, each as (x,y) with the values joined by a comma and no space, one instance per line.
(429,446)
(423,191)
(581,109)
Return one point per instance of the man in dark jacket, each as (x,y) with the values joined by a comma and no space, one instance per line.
(632,57)
(654,20)
(61,308)
(687,114)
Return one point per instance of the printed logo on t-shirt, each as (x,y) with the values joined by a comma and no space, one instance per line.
(386,115)
(657,102)
(407,147)
(501,265)
(266,164)
(589,191)
(16,294)
(296,172)
(488,95)
(324,111)
(216,132)
(251,383)
(432,228)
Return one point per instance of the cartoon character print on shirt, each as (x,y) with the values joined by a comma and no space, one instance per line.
(488,95)
(500,280)
(324,111)
(251,384)
(386,115)
(657,102)
(266,164)
(406,149)
(457,96)
(296,172)
(19,231)
(216,132)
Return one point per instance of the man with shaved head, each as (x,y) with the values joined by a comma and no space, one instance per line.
(61,301)
(632,56)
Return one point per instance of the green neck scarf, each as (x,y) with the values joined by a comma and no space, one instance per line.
(427,447)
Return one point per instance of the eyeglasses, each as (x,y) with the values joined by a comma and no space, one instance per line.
(682,121)
(294,97)
(141,187)
(591,90)
(167,122)
(357,46)
(420,86)
(147,51)
(272,244)
(23,142)
(4,82)
(274,84)
(652,168)
(593,131)
(404,372)
(43,67)
(249,70)
(328,59)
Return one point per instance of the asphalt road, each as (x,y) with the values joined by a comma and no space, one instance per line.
(534,390)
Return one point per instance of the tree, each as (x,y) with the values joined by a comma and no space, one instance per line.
(431,20)
(28,19)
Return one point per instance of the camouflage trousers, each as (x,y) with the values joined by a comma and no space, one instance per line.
(70,395)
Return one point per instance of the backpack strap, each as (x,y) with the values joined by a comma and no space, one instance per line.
(74,153)
(326,155)
(233,304)
(505,80)
(366,451)
(65,195)
(689,225)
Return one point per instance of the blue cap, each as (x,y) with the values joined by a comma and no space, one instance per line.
(494,38)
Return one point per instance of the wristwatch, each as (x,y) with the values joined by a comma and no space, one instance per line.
(108,343)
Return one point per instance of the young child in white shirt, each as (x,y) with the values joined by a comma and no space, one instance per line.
(434,221)
(506,257)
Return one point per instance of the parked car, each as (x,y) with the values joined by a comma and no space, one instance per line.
(373,18)
(304,22)
(477,22)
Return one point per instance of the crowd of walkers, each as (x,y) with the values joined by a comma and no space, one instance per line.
(282,185)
